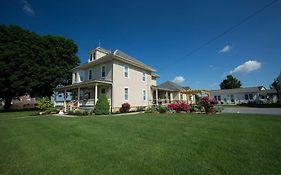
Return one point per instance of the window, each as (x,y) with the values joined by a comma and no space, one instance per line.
(215,98)
(246,97)
(103,72)
(126,71)
(144,94)
(90,74)
(126,93)
(81,76)
(219,98)
(94,56)
(91,57)
(251,96)
(143,76)
(75,77)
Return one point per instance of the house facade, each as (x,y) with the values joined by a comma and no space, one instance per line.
(258,95)
(119,76)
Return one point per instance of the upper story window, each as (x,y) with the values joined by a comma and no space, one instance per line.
(102,71)
(90,74)
(126,93)
(75,77)
(143,76)
(144,94)
(246,97)
(126,71)
(92,56)
(81,75)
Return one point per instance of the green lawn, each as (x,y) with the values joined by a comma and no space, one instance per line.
(140,144)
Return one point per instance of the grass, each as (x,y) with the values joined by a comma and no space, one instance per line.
(140,144)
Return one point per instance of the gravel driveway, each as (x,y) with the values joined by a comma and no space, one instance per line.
(245,110)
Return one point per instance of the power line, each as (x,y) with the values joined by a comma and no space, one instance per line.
(231,28)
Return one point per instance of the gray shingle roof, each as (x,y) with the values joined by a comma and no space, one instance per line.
(126,56)
(238,90)
(169,86)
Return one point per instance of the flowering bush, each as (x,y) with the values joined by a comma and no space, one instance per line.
(184,107)
(125,108)
(173,106)
(208,106)
(179,107)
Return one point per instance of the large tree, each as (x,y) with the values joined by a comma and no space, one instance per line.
(277,86)
(33,64)
(230,83)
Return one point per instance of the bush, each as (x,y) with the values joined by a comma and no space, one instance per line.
(179,107)
(140,108)
(173,106)
(208,106)
(151,110)
(184,107)
(45,106)
(125,108)
(194,108)
(102,106)
(79,112)
(162,109)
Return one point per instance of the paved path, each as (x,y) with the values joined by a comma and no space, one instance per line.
(245,110)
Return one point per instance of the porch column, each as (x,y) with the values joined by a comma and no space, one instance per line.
(78,97)
(64,100)
(55,98)
(156,96)
(166,99)
(96,93)
(171,97)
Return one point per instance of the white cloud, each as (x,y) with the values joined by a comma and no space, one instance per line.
(179,79)
(225,49)
(26,7)
(246,67)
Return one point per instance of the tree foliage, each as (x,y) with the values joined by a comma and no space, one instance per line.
(33,64)
(230,83)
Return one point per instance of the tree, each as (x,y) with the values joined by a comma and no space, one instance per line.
(33,64)
(102,106)
(277,86)
(230,83)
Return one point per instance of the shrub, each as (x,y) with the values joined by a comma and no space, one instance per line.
(45,105)
(208,106)
(184,107)
(173,106)
(162,109)
(151,110)
(125,108)
(194,108)
(140,108)
(102,106)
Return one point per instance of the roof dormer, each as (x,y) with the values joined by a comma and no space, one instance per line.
(97,53)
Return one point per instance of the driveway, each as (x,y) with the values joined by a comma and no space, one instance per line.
(245,110)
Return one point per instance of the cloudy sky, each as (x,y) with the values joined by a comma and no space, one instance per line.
(171,36)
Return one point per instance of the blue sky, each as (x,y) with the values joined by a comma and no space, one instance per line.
(162,33)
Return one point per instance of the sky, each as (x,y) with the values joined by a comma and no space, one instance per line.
(163,34)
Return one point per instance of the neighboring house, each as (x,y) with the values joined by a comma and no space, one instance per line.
(121,77)
(170,92)
(257,95)
(24,102)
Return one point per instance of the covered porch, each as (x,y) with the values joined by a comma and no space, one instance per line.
(167,96)
(82,95)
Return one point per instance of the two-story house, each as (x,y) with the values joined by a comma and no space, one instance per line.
(121,77)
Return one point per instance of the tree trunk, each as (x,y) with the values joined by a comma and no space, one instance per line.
(8,101)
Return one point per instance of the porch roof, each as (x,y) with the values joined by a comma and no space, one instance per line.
(83,84)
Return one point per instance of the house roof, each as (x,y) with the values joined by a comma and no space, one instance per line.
(120,55)
(129,58)
(238,90)
(169,86)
